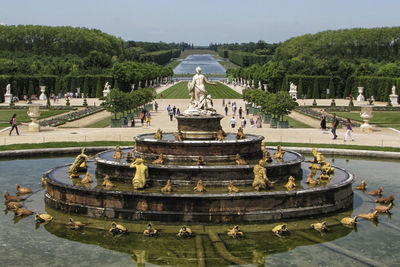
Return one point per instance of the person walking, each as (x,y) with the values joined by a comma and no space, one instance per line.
(156,106)
(125,122)
(142,117)
(171,114)
(132,121)
(349,129)
(223,102)
(243,122)
(335,124)
(323,121)
(178,112)
(226,110)
(252,124)
(148,118)
(13,123)
(174,110)
(233,122)
(240,112)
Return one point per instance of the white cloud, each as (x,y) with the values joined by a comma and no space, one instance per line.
(3,23)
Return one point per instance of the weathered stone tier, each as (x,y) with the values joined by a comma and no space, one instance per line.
(208,208)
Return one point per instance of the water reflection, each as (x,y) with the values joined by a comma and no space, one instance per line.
(55,244)
(207,63)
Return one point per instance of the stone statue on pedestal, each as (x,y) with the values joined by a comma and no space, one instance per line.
(200,101)
(107,89)
(394,97)
(8,96)
(293,90)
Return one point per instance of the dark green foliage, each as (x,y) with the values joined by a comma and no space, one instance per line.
(300,92)
(67,102)
(351,104)
(31,90)
(332,93)
(85,103)
(314,103)
(57,41)
(245,59)
(315,93)
(86,87)
(333,103)
(99,88)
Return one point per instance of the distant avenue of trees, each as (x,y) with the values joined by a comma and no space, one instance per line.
(66,58)
(344,59)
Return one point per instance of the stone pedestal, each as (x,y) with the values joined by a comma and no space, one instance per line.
(42,95)
(199,127)
(360,96)
(366,115)
(7,98)
(394,99)
(34,114)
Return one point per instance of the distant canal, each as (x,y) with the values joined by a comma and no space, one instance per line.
(207,63)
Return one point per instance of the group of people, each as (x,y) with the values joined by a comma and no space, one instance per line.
(335,124)
(173,111)
(243,122)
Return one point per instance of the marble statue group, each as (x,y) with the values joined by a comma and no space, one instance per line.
(200,101)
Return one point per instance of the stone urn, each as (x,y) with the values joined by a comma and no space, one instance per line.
(42,95)
(34,114)
(366,115)
(360,96)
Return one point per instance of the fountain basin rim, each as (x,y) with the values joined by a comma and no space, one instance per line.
(300,158)
(254,138)
(349,180)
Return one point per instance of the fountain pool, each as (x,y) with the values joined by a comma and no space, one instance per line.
(24,243)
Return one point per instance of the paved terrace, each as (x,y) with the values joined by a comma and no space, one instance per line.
(160,119)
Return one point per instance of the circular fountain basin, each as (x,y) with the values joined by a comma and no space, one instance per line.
(186,151)
(186,172)
(124,203)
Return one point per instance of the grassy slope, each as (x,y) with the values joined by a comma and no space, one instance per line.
(180,91)
(100,123)
(380,118)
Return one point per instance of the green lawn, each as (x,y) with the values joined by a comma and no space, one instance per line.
(380,118)
(5,115)
(295,123)
(129,143)
(100,124)
(218,91)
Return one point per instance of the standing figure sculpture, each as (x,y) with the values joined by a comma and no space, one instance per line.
(261,180)
(141,174)
(79,160)
(199,99)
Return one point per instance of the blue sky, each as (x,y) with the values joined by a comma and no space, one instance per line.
(206,21)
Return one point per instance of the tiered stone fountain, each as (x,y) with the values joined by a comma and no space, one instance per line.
(182,167)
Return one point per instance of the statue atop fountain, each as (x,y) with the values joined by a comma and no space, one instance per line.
(200,101)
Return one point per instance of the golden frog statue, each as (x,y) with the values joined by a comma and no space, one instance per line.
(235,232)
(220,135)
(240,134)
(73,169)
(291,184)
(279,153)
(118,154)
(325,165)
(178,136)
(158,134)
(239,160)
(129,157)
(141,174)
